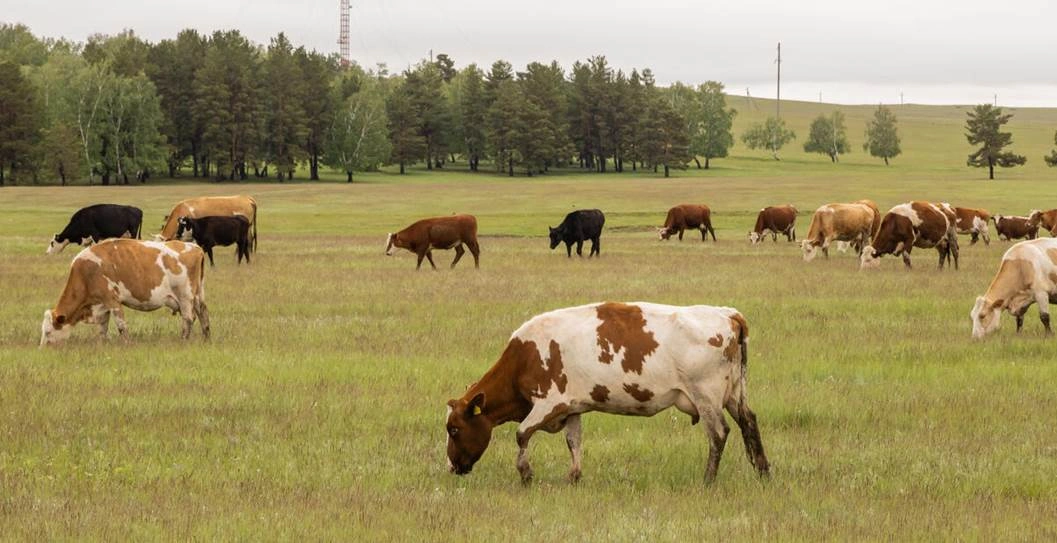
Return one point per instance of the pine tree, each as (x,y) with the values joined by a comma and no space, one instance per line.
(882,137)
(407,143)
(712,136)
(984,128)
(505,133)
(19,119)
(318,72)
(285,124)
(828,136)
(472,113)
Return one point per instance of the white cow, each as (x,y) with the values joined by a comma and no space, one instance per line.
(1028,275)
(626,359)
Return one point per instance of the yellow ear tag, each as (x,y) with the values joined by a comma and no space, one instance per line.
(476,410)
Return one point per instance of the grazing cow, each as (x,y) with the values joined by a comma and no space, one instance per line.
(909,225)
(1045,219)
(973,221)
(208,232)
(776,220)
(1011,228)
(838,222)
(580,225)
(98,222)
(437,233)
(143,275)
(625,359)
(687,217)
(211,206)
(1028,275)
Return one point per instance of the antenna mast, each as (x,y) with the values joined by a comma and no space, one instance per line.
(343,35)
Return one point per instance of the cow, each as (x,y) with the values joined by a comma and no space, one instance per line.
(578,226)
(98,222)
(1027,275)
(913,224)
(776,220)
(620,358)
(1011,228)
(838,222)
(876,216)
(1045,219)
(437,233)
(687,217)
(208,232)
(973,221)
(142,275)
(211,206)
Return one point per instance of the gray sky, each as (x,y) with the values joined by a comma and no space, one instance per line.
(852,52)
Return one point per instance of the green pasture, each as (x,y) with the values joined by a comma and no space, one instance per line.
(316,412)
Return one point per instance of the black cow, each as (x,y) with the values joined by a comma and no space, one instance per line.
(580,225)
(208,232)
(94,223)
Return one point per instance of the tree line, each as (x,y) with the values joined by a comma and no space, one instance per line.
(117,108)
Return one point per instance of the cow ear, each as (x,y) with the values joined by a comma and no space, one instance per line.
(475,405)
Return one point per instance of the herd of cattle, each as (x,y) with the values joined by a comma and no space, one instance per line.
(622,358)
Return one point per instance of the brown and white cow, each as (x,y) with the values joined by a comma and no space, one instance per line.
(437,233)
(620,358)
(973,222)
(1011,228)
(913,224)
(1045,219)
(1027,275)
(838,222)
(776,220)
(143,275)
(687,217)
(211,206)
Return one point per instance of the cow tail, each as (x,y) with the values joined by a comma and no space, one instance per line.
(255,217)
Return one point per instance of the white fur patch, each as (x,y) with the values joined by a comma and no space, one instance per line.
(907,211)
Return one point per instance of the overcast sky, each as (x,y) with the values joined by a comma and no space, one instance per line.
(851,51)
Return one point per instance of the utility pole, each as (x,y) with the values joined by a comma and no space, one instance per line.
(900,98)
(343,32)
(778,93)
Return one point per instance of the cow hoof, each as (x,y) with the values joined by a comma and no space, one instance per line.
(526,477)
(574,476)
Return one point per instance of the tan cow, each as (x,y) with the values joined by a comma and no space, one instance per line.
(838,222)
(437,233)
(687,217)
(973,221)
(143,275)
(210,206)
(775,220)
(876,216)
(913,224)
(1027,275)
(620,358)
(1011,228)
(1045,219)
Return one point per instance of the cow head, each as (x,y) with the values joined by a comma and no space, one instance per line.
(469,433)
(390,244)
(870,259)
(55,329)
(664,233)
(755,237)
(55,246)
(556,237)
(809,249)
(1035,217)
(985,315)
(184,227)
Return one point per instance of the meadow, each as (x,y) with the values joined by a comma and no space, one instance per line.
(317,409)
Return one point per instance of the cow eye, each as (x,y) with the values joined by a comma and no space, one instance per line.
(453,431)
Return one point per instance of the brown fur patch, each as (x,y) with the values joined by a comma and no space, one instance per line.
(170,264)
(534,378)
(600,394)
(1052,253)
(716,341)
(135,267)
(623,327)
(732,350)
(640,394)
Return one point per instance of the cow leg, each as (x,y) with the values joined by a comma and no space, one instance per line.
(475,250)
(119,320)
(681,235)
(187,319)
(568,249)
(750,433)
(458,254)
(429,256)
(716,428)
(209,253)
(595,247)
(573,433)
(1043,299)
(704,233)
(774,236)
(104,323)
(202,312)
(420,255)
(973,238)
(543,415)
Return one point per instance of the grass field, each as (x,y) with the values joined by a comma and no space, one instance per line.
(317,410)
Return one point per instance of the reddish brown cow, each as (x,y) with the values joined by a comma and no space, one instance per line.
(973,221)
(1045,219)
(1011,228)
(909,225)
(687,217)
(437,233)
(776,220)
